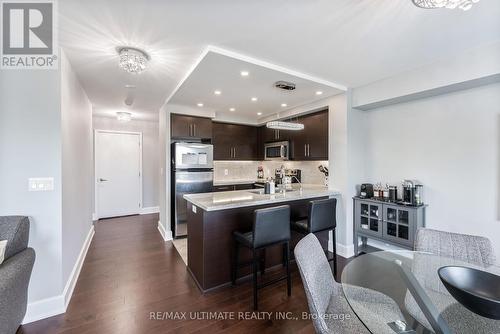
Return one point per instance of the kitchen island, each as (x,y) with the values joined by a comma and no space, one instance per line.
(212,218)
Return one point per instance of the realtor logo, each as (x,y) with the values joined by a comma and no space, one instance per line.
(28,35)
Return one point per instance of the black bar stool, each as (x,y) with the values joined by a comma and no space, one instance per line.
(322,217)
(271,226)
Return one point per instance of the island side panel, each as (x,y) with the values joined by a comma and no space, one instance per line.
(195,244)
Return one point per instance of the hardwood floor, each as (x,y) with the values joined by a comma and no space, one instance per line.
(130,272)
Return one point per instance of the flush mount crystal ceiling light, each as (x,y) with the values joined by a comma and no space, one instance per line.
(123,116)
(279,125)
(451,4)
(133,60)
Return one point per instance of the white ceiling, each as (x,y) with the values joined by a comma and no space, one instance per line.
(218,72)
(351,42)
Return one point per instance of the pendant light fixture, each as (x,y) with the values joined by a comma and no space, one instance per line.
(280,125)
(450,4)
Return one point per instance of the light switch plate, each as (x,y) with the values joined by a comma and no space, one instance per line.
(41,184)
(194,209)
(226,172)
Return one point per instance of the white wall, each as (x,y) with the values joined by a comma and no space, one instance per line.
(150,152)
(164,138)
(45,131)
(469,69)
(30,146)
(77,167)
(451,143)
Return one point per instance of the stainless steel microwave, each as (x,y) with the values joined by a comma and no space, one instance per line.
(277,151)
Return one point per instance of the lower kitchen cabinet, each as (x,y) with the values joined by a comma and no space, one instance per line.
(232,187)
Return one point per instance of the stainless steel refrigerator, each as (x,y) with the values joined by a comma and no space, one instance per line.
(192,172)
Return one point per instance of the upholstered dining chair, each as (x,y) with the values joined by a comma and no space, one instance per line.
(467,248)
(476,250)
(325,295)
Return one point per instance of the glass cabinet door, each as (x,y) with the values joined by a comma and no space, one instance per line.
(374,211)
(374,225)
(391,229)
(392,215)
(364,223)
(403,217)
(364,209)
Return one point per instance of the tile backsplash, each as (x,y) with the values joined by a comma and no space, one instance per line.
(247,170)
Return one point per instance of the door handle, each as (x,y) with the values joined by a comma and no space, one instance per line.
(102,180)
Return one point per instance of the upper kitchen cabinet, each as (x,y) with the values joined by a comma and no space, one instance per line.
(235,142)
(312,142)
(270,135)
(183,126)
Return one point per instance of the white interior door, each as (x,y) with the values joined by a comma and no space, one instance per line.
(118,163)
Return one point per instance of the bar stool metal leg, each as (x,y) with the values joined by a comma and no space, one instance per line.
(263,262)
(255,271)
(334,240)
(288,277)
(234,263)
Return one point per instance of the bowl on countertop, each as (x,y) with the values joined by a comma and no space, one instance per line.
(477,290)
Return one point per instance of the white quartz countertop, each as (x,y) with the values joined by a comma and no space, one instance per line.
(243,198)
(231,182)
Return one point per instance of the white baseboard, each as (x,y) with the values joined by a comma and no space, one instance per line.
(166,235)
(77,268)
(49,307)
(149,210)
(345,251)
(44,308)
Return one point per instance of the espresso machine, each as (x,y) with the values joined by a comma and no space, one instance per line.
(413,193)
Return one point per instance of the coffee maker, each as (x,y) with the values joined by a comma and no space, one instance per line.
(413,192)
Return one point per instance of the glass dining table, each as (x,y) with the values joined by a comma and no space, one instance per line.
(401,292)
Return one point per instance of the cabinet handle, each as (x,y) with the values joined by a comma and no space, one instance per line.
(234,152)
(308,150)
(305,150)
(194,130)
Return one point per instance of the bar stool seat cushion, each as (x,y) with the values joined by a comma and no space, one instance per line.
(245,238)
(300,226)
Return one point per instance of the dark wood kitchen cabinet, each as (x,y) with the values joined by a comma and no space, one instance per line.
(271,135)
(183,126)
(235,142)
(312,142)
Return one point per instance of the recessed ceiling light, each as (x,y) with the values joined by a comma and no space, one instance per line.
(200,104)
(319,92)
(254,99)
(259,113)
(232,109)
(284,105)
(217,92)
(244,73)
